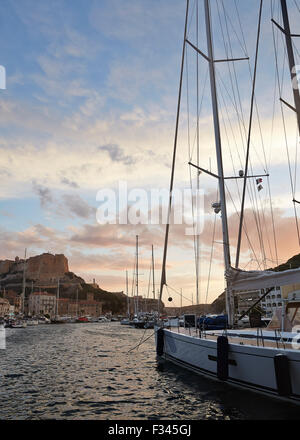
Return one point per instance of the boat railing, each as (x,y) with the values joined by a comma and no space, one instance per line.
(279,338)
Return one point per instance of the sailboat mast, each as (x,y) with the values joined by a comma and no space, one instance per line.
(57,298)
(239,242)
(198,158)
(153,281)
(128,312)
(291,57)
(163,272)
(77,302)
(212,73)
(137,274)
(24,283)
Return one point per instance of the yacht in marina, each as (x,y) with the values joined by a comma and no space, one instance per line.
(262,360)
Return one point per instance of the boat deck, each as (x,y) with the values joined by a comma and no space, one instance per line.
(253,337)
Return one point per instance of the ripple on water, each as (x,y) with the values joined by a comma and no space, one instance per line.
(85,371)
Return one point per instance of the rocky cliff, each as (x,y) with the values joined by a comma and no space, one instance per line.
(43,272)
(43,267)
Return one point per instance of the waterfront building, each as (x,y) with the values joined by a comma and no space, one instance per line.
(4,307)
(83,307)
(275,298)
(246,299)
(42,303)
(14,300)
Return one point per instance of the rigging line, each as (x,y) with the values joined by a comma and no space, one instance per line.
(211,254)
(191,16)
(140,343)
(250,189)
(273,109)
(236,77)
(282,114)
(178,293)
(241,28)
(285,136)
(189,148)
(249,241)
(149,282)
(274,234)
(193,217)
(163,274)
(241,122)
(188,105)
(244,48)
(200,111)
(269,162)
(239,98)
(249,139)
(265,224)
(234,171)
(228,54)
(297,6)
(273,219)
(296,160)
(198,158)
(241,109)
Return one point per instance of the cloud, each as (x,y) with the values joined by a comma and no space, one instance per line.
(75,205)
(66,205)
(116,154)
(70,183)
(43,193)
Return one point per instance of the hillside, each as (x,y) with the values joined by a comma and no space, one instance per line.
(42,272)
(293,263)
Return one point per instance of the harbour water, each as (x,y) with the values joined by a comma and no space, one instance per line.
(84,371)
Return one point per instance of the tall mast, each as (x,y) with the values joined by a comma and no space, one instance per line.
(163,273)
(77,302)
(137,274)
(153,281)
(24,283)
(291,57)
(57,298)
(198,159)
(180,301)
(212,73)
(128,312)
(238,247)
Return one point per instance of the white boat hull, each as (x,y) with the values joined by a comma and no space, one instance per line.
(249,367)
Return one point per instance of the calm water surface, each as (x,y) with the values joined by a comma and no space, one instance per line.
(84,371)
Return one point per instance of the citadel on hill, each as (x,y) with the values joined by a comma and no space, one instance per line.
(42,276)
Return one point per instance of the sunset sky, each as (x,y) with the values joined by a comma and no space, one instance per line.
(91,100)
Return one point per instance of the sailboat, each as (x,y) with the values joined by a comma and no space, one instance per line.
(137,321)
(151,318)
(126,321)
(264,361)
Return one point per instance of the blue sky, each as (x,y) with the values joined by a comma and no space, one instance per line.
(91,99)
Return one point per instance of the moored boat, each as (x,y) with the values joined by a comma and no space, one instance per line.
(265,361)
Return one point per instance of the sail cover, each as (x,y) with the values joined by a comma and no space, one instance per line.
(250,280)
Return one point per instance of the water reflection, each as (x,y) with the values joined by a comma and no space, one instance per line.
(86,371)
